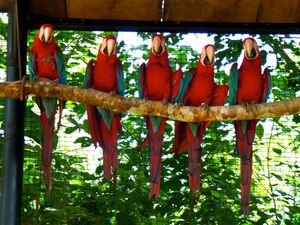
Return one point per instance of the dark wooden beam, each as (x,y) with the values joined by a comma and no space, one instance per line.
(34,21)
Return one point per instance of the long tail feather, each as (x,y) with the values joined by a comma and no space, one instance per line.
(194,160)
(61,105)
(93,121)
(155,141)
(244,145)
(109,145)
(246,178)
(180,144)
(47,146)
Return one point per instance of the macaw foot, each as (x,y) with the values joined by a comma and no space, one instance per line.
(146,98)
(112,93)
(204,105)
(249,105)
(165,101)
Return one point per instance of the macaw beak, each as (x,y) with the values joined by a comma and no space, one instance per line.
(110,47)
(47,34)
(210,55)
(250,51)
(157,48)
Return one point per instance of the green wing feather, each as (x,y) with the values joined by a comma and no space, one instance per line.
(194,128)
(107,116)
(49,105)
(61,68)
(183,86)
(233,84)
(155,122)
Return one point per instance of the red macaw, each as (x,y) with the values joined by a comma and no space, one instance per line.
(157,82)
(46,62)
(248,85)
(201,91)
(106,75)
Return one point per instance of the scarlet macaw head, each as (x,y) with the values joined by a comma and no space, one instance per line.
(46,33)
(250,48)
(207,56)
(109,45)
(158,45)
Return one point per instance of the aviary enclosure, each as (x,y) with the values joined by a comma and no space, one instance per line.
(80,195)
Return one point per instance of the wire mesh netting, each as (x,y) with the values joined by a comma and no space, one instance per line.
(79,193)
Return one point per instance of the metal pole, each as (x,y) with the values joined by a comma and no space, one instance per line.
(13,147)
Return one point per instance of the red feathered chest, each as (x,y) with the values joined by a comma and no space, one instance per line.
(250,87)
(158,78)
(45,60)
(105,74)
(201,88)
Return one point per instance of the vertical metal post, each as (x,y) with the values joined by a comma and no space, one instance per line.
(13,147)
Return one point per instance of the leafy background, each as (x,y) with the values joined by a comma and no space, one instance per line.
(81,196)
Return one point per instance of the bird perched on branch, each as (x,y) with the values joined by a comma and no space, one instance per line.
(106,75)
(157,82)
(46,62)
(247,86)
(201,91)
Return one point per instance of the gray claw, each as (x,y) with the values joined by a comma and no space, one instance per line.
(204,105)
(165,101)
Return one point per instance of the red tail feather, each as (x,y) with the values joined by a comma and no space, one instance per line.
(144,144)
(47,146)
(194,161)
(244,143)
(246,178)
(108,143)
(155,142)
(61,105)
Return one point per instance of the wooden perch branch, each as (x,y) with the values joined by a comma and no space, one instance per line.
(44,87)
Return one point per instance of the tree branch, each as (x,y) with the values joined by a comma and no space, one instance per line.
(47,88)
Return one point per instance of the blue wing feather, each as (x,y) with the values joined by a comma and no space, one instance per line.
(88,78)
(233,84)
(263,57)
(121,88)
(183,87)
(31,67)
(140,79)
(61,68)
(269,88)
(267,84)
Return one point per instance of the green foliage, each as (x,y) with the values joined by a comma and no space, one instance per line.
(80,195)
(3,38)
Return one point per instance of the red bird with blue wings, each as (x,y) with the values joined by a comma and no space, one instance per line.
(46,62)
(106,75)
(157,82)
(248,86)
(199,90)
